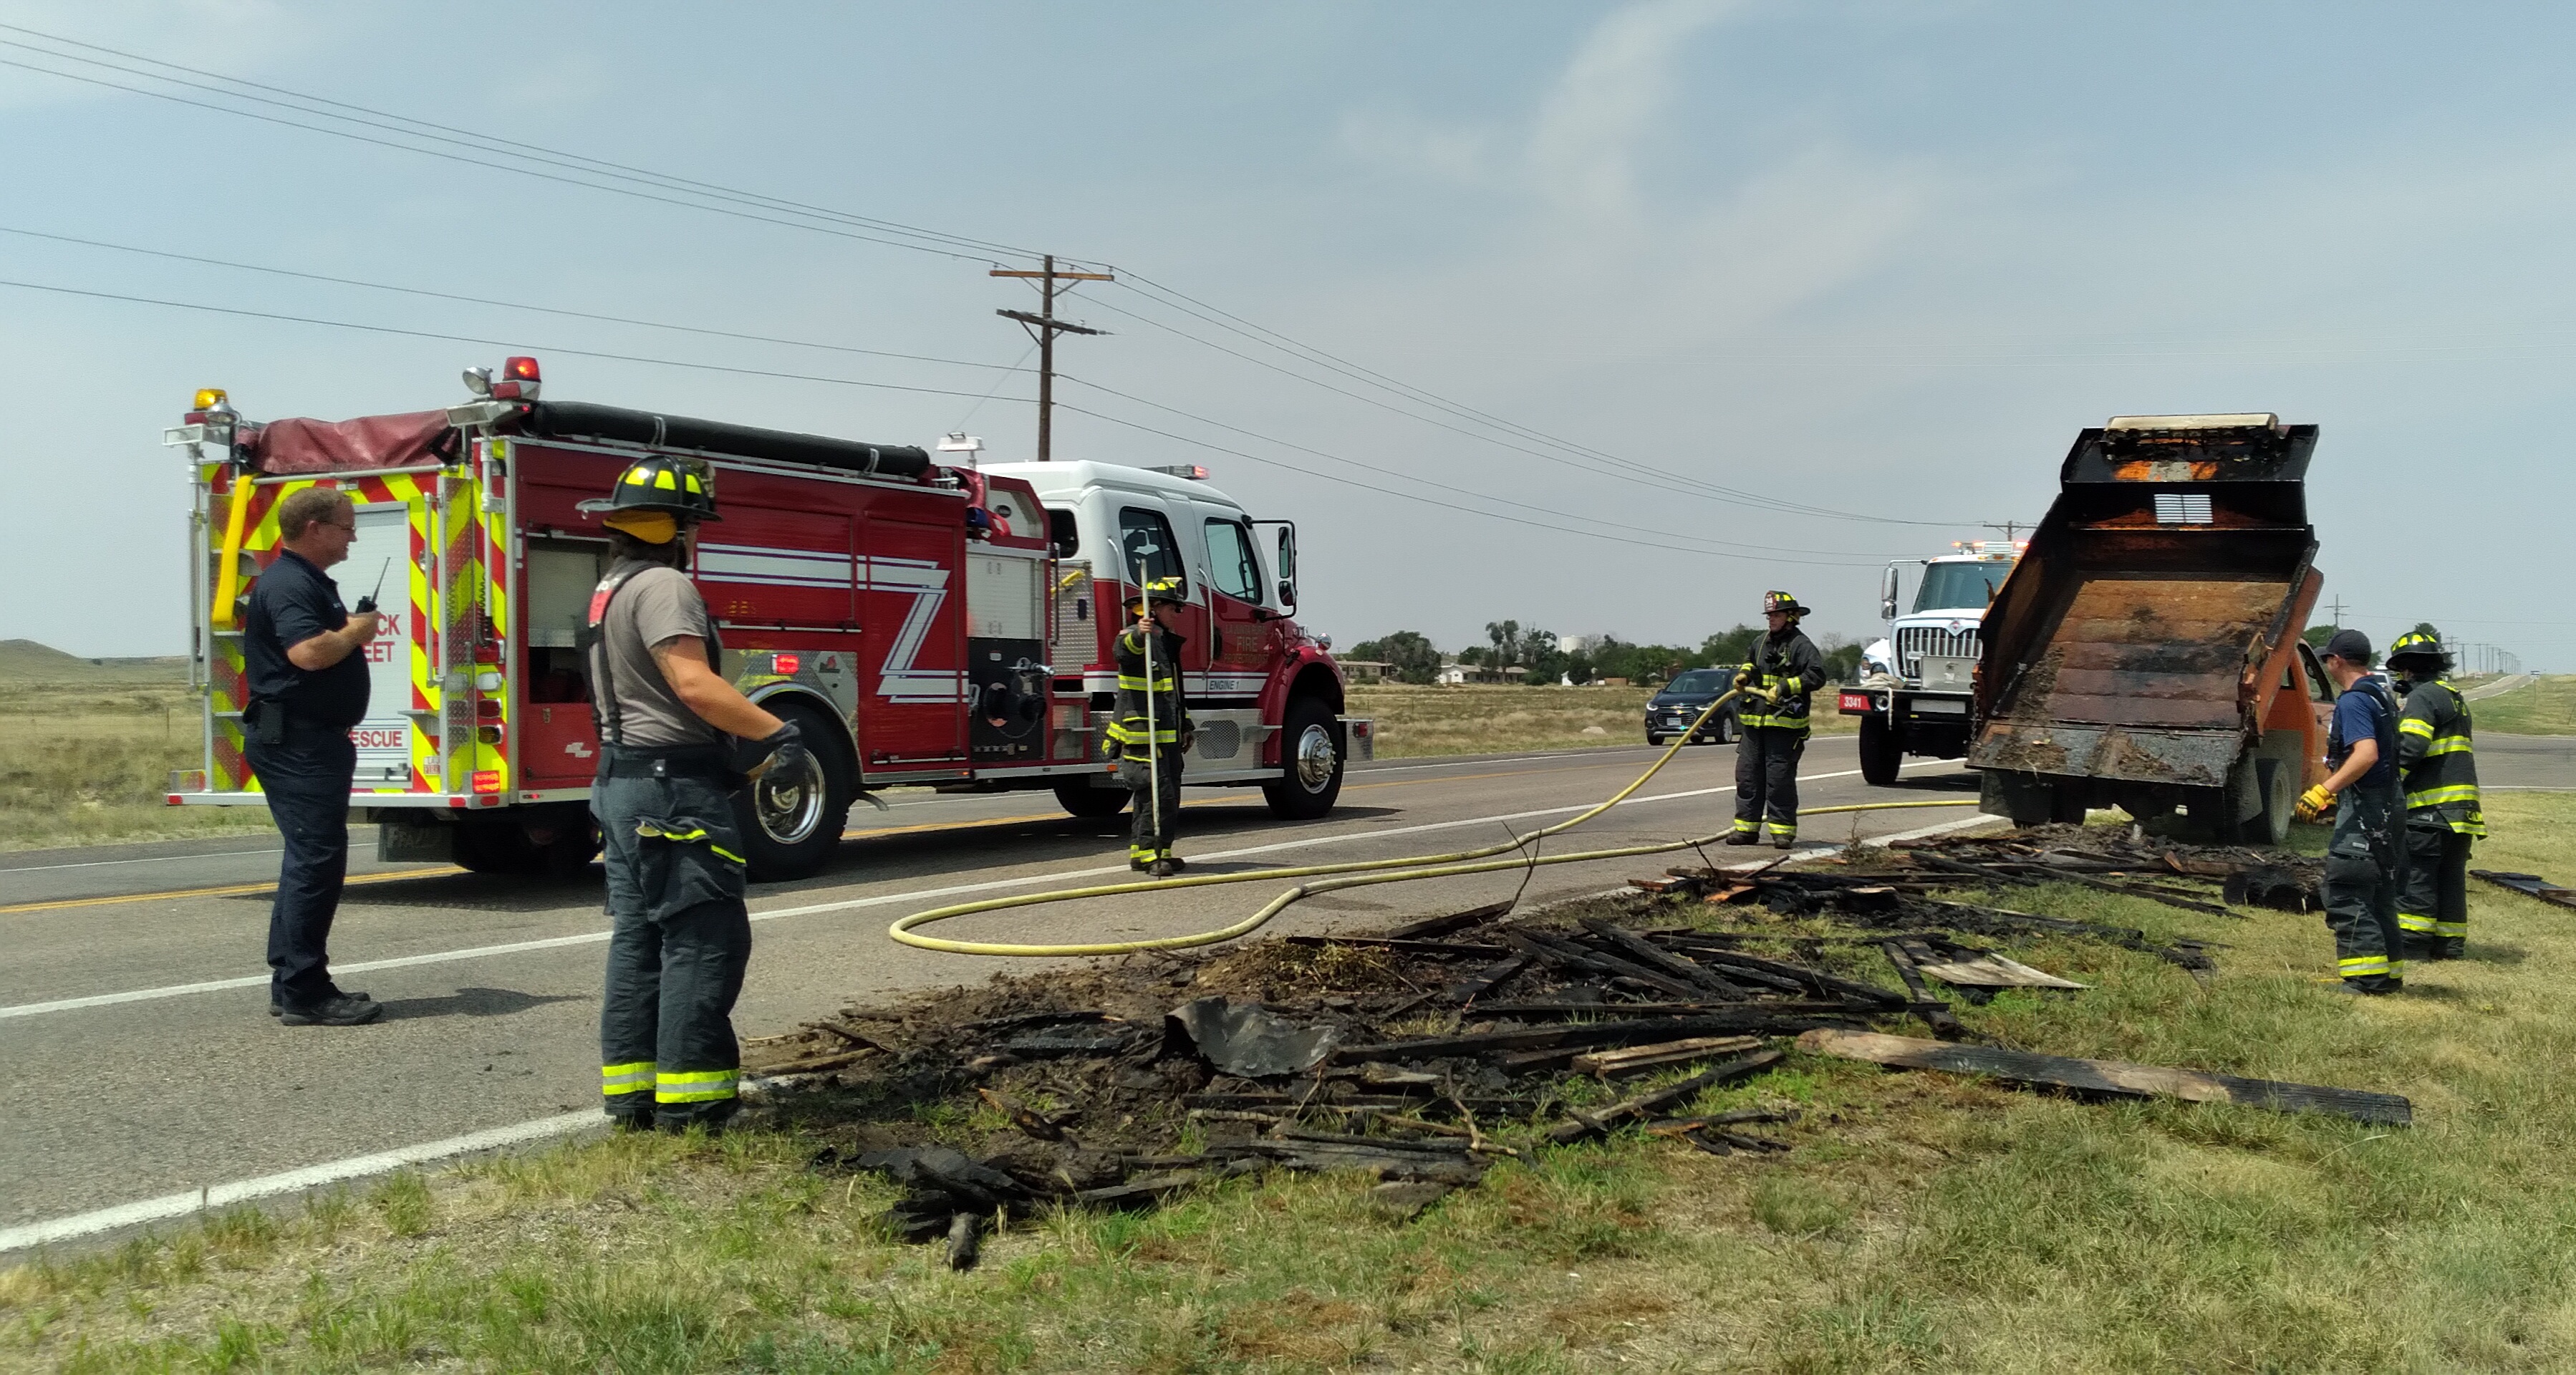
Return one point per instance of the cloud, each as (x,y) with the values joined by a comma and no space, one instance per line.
(1612,95)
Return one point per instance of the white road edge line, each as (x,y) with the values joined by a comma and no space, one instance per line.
(139,995)
(268,1186)
(141,859)
(562,1124)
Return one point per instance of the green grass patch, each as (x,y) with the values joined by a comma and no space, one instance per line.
(2546,706)
(1493,718)
(88,763)
(1923,1222)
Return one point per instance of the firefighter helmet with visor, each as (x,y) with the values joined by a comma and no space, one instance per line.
(655,497)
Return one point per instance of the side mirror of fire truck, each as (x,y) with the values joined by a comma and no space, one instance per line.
(1887,594)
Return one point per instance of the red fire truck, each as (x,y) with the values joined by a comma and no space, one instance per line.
(925,624)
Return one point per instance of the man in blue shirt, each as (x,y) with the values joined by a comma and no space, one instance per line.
(2363,857)
(301,651)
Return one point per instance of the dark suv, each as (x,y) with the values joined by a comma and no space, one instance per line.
(1671,711)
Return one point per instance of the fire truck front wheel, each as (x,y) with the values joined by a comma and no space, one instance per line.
(790,825)
(1882,751)
(1310,754)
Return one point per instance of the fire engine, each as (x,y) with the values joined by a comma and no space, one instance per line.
(925,624)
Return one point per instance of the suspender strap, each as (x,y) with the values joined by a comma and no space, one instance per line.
(595,656)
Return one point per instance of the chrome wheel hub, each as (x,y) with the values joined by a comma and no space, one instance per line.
(1315,759)
(791,807)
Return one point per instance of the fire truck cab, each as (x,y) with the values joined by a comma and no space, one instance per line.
(924,624)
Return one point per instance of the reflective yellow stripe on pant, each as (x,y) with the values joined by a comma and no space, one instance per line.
(695,1086)
(633,1077)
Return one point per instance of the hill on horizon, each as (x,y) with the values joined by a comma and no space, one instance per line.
(28,660)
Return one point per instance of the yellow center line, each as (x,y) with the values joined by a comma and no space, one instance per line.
(228,890)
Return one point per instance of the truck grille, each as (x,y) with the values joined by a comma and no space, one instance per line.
(1915,641)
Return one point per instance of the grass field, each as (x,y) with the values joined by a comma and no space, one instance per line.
(2546,707)
(84,763)
(1488,719)
(1922,1224)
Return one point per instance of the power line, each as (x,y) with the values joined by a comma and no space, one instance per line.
(503,305)
(476,339)
(480,142)
(1440,486)
(1147,286)
(495,166)
(850,382)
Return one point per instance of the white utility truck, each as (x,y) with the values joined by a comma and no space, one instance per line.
(1916,686)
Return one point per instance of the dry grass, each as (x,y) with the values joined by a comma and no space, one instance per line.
(2547,706)
(87,763)
(1924,1223)
(1493,719)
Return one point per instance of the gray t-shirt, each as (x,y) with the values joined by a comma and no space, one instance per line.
(655,605)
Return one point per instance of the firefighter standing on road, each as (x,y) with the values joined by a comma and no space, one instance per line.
(2362,858)
(676,740)
(1153,728)
(1785,668)
(304,655)
(2439,771)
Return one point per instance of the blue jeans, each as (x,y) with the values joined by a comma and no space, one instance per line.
(306,779)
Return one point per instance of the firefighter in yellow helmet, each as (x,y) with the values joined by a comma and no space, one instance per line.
(1775,682)
(1152,730)
(676,740)
(2438,774)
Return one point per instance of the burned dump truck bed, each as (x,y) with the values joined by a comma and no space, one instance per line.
(2145,651)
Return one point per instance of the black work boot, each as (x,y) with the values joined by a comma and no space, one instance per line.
(1783,842)
(276,1008)
(339,1010)
(1744,838)
(1164,868)
(632,1119)
(711,1116)
(1175,861)
(2369,988)
(2420,948)
(2450,948)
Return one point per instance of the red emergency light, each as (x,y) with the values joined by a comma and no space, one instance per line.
(519,380)
(783,663)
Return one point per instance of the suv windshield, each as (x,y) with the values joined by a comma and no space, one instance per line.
(1698,680)
(1953,586)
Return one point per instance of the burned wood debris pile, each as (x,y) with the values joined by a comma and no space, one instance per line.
(1424,1054)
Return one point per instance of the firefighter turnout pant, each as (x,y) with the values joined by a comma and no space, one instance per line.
(679,940)
(1766,782)
(2433,901)
(2362,868)
(1157,809)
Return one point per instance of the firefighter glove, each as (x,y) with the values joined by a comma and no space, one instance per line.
(783,751)
(2315,802)
(1744,677)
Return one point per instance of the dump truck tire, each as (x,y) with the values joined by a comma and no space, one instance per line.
(1882,751)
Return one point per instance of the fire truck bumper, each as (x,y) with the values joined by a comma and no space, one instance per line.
(1360,733)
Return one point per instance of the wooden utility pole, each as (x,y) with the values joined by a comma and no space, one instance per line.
(1044,327)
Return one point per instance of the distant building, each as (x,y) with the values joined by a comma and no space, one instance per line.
(1364,670)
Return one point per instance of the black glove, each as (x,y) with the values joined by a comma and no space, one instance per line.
(782,750)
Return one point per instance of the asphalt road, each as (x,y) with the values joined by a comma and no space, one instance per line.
(140,1060)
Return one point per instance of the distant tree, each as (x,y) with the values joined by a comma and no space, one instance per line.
(1730,647)
(2317,635)
(1409,656)
(1505,637)
(2426,628)
(1842,658)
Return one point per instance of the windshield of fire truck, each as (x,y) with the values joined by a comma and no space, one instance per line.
(1953,586)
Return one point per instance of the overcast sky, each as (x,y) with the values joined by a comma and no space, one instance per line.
(1880,261)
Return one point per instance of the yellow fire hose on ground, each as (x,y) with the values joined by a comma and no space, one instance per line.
(1355,874)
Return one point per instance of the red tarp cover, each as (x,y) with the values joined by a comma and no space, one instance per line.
(375,441)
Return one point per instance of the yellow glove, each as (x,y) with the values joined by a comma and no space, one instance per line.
(2315,802)
(1744,677)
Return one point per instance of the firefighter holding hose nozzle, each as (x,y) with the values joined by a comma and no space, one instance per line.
(1153,728)
(677,739)
(1776,683)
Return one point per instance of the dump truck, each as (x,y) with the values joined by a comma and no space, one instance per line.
(2145,653)
(1913,696)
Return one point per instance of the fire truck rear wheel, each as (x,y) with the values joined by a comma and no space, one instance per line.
(790,826)
(1081,799)
(1311,756)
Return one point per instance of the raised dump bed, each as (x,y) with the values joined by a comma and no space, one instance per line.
(2145,652)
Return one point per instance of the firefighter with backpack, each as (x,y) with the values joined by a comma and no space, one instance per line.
(1152,731)
(677,739)
(2438,770)
(1776,682)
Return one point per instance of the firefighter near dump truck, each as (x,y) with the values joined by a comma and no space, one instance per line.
(922,624)
(1914,696)
(2145,653)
